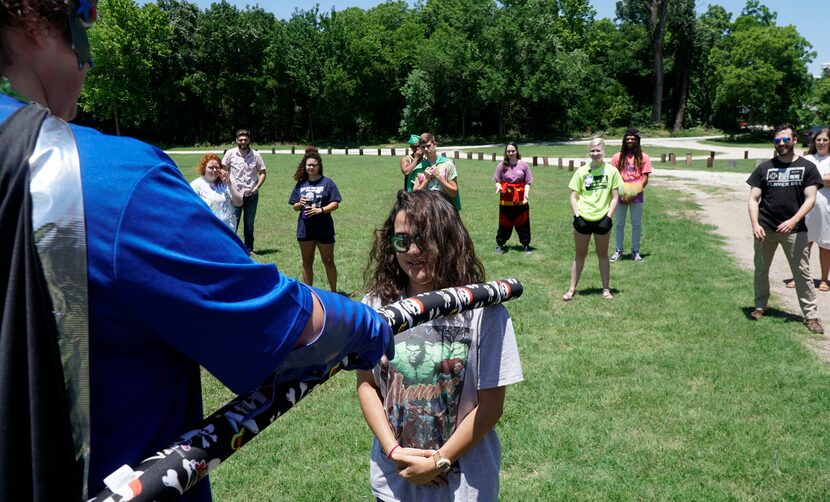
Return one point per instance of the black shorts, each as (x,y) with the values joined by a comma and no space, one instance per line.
(319,239)
(599,227)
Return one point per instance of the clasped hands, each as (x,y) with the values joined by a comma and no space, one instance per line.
(433,172)
(417,466)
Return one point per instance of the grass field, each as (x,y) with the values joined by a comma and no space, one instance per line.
(667,392)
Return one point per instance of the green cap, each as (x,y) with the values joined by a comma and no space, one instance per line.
(414,139)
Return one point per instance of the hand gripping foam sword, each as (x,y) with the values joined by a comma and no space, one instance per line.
(170,472)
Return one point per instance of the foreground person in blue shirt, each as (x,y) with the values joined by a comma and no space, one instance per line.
(169,287)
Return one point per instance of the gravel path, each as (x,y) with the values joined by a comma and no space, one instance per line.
(725,208)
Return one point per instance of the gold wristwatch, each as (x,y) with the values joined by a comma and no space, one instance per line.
(442,464)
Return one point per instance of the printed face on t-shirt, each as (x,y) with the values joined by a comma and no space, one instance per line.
(313,195)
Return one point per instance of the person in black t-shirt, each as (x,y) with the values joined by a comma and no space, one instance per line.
(315,197)
(783,190)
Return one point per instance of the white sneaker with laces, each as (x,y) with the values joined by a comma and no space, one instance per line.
(616,255)
(636,256)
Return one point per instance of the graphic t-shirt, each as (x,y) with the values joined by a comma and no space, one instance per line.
(431,385)
(782,190)
(595,188)
(317,193)
(630,174)
(218,198)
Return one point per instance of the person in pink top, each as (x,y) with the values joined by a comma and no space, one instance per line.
(635,168)
(513,179)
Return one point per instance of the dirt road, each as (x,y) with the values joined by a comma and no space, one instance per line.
(722,198)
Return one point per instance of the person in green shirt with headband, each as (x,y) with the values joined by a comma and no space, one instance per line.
(410,163)
(594,197)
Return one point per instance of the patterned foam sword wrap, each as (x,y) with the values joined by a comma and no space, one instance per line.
(173,470)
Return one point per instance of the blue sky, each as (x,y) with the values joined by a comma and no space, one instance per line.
(811,17)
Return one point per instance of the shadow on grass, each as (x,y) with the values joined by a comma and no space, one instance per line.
(516,247)
(595,291)
(267,251)
(787,316)
(627,256)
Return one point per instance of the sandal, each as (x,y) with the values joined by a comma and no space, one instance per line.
(823,286)
(606,293)
(569,294)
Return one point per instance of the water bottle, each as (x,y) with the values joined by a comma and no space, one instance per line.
(306,205)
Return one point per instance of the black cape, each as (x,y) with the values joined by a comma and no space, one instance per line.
(37,453)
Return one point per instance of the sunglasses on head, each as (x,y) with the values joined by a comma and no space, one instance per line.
(80,19)
(402,242)
(784,140)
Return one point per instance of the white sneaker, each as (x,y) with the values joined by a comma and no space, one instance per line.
(636,256)
(616,255)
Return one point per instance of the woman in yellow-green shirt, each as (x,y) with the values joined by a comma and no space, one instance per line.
(594,196)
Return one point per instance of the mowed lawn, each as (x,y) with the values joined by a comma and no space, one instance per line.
(667,392)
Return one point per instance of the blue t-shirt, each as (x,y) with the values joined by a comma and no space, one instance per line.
(170,288)
(320,193)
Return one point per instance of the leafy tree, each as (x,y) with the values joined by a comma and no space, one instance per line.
(127,41)
(711,29)
(652,14)
(297,52)
(179,79)
(682,28)
(420,98)
(760,70)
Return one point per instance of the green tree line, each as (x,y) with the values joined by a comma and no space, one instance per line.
(173,73)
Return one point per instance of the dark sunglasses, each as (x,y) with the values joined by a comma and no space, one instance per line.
(784,140)
(402,242)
